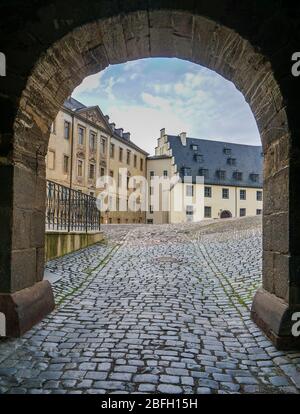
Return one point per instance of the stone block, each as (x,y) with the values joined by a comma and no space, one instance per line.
(276,232)
(26,308)
(23,269)
(276,190)
(137,35)
(274,316)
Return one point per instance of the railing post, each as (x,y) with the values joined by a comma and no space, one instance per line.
(86,213)
(69,211)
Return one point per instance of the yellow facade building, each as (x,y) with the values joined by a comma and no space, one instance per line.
(214,180)
(84,146)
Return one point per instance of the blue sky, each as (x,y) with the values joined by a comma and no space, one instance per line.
(146,95)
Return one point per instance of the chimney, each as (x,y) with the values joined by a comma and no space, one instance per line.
(162,132)
(113,126)
(126,135)
(106,117)
(183,138)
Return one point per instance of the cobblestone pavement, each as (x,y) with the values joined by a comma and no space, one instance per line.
(155,309)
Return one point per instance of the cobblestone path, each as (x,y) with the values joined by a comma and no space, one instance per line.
(155,309)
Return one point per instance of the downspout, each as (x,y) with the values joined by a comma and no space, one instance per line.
(71,172)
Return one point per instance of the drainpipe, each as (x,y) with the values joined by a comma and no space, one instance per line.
(71,172)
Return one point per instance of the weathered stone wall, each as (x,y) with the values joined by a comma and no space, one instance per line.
(51,46)
(60,244)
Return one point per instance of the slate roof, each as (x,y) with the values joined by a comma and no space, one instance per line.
(72,104)
(249,161)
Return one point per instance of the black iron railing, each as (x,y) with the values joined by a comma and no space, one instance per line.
(70,210)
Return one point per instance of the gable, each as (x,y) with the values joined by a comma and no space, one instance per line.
(95,116)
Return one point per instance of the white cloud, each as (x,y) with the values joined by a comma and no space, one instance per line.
(145,123)
(145,96)
(90,84)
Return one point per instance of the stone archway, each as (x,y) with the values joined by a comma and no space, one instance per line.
(106,35)
(225,214)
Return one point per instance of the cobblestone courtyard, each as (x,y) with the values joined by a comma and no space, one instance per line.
(155,309)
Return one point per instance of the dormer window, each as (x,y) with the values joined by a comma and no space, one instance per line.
(237,175)
(221,174)
(203,172)
(227,151)
(198,157)
(186,171)
(231,161)
(254,177)
(194,147)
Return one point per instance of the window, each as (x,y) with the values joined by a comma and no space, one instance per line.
(128,157)
(80,136)
(151,209)
(165,173)
(225,193)
(111,173)
(194,147)
(92,194)
(189,210)
(110,203)
(92,171)
(207,192)
(121,154)
(258,212)
(79,168)
(207,212)
(142,164)
(152,174)
(51,160)
(93,141)
(204,173)
(254,177)
(67,128)
(102,172)
(186,171)
(135,161)
(103,145)
(242,212)
(189,191)
(66,164)
(53,127)
(227,151)
(112,151)
(221,174)
(237,176)
(242,194)
(259,195)
(198,158)
(120,180)
(231,161)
